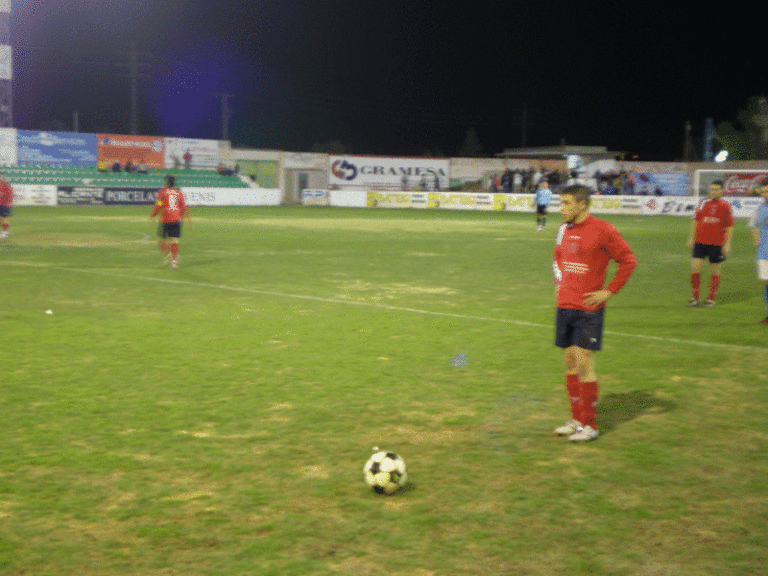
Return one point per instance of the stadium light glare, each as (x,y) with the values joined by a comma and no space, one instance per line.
(722,156)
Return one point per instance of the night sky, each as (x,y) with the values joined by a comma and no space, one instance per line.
(389,78)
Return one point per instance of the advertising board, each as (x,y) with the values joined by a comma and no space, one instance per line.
(120,148)
(204,153)
(60,148)
(389,173)
(34,195)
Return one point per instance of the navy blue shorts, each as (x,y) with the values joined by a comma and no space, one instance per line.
(579,328)
(170,230)
(5,211)
(541,209)
(714,253)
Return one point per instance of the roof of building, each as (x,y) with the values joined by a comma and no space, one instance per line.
(562,151)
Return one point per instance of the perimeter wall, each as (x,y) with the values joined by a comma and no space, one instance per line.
(283,177)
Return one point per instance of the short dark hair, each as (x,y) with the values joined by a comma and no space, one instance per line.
(170,181)
(579,192)
(718,183)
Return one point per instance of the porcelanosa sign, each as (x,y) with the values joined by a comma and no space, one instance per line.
(391,173)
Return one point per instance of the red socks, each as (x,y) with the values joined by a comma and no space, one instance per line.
(714,282)
(574,395)
(583,398)
(174,251)
(589,404)
(695,282)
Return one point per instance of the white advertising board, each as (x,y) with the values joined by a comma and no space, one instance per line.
(388,173)
(233,196)
(34,195)
(348,198)
(205,153)
(315,198)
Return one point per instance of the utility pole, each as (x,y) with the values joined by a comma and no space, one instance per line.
(524,126)
(137,62)
(689,154)
(226,112)
(134,69)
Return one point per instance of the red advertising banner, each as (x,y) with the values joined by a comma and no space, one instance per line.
(742,183)
(120,148)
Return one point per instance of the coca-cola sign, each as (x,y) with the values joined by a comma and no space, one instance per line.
(743,183)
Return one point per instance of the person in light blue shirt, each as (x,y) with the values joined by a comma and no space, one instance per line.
(758,226)
(543,198)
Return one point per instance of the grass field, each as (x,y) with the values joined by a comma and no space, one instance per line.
(215,419)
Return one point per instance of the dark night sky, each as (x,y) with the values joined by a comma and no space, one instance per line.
(394,78)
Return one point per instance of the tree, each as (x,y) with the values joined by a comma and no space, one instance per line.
(471,148)
(745,139)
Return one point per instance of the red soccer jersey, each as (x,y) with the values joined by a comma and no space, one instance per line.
(712,218)
(6,193)
(582,254)
(171,202)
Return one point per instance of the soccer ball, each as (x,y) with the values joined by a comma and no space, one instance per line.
(385,472)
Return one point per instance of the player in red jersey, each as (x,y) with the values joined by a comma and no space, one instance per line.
(6,201)
(710,237)
(170,201)
(584,247)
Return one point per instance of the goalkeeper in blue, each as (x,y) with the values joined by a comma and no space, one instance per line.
(543,198)
(758,226)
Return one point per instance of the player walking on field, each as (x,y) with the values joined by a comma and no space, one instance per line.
(170,201)
(6,201)
(583,249)
(710,237)
(758,226)
(543,198)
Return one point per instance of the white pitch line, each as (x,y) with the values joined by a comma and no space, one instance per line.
(382,306)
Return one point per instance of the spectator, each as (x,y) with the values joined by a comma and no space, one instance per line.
(517,181)
(506,181)
(222,170)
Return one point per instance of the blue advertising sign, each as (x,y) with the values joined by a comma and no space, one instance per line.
(660,184)
(64,148)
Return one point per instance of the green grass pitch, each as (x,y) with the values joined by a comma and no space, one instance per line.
(215,419)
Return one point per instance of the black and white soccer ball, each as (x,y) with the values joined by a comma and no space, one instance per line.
(385,472)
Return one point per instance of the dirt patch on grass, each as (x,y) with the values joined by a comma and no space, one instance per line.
(358,289)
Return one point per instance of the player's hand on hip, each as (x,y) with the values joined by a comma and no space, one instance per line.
(596,299)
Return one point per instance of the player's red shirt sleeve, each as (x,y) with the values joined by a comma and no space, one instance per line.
(619,251)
